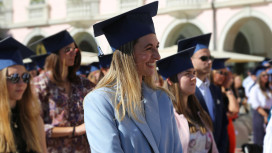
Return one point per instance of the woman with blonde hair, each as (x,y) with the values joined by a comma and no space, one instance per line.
(194,124)
(61,94)
(21,127)
(127,112)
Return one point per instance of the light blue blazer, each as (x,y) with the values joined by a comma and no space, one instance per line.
(157,133)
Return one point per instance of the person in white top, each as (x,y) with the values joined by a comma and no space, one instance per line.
(261,102)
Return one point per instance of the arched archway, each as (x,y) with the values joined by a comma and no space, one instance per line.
(85,42)
(181,31)
(38,48)
(249,35)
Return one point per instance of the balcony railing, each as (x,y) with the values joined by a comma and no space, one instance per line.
(82,9)
(176,3)
(128,4)
(38,12)
(2,16)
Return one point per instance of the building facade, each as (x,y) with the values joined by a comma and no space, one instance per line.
(237,26)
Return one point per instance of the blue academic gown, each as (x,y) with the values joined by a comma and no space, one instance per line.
(156,133)
(221,121)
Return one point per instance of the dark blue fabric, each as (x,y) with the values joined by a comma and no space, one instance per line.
(176,63)
(12,52)
(128,26)
(258,127)
(220,123)
(57,41)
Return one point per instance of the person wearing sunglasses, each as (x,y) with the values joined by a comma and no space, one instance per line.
(127,112)
(61,94)
(223,78)
(260,98)
(194,123)
(208,95)
(21,127)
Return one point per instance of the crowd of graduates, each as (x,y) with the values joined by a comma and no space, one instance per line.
(130,100)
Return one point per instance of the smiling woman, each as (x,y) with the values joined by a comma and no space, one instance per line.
(134,115)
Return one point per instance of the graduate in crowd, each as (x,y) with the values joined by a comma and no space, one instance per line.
(21,128)
(127,112)
(61,94)
(95,73)
(40,61)
(222,78)
(267,147)
(194,123)
(84,70)
(261,102)
(208,94)
(104,61)
(239,93)
(31,67)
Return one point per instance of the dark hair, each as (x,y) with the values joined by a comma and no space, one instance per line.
(192,110)
(54,65)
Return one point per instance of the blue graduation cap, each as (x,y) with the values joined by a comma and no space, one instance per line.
(199,42)
(84,69)
(176,63)
(30,66)
(258,70)
(128,26)
(39,60)
(12,52)
(219,63)
(105,60)
(57,41)
(94,66)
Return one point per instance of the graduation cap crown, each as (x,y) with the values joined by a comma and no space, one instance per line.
(199,42)
(12,52)
(176,63)
(219,63)
(128,26)
(57,41)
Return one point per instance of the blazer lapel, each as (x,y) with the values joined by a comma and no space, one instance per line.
(201,100)
(152,112)
(144,126)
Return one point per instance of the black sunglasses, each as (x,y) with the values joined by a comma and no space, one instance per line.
(15,78)
(222,73)
(206,58)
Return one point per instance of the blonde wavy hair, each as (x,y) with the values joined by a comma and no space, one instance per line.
(29,109)
(124,76)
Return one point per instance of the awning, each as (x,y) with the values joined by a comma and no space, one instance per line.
(88,57)
(234,57)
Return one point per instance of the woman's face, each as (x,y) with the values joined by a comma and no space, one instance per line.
(146,54)
(219,76)
(16,90)
(68,54)
(238,81)
(187,81)
(264,77)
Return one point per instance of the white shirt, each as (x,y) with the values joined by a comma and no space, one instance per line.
(248,84)
(257,98)
(206,93)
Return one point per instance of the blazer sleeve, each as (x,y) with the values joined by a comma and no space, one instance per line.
(101,129)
